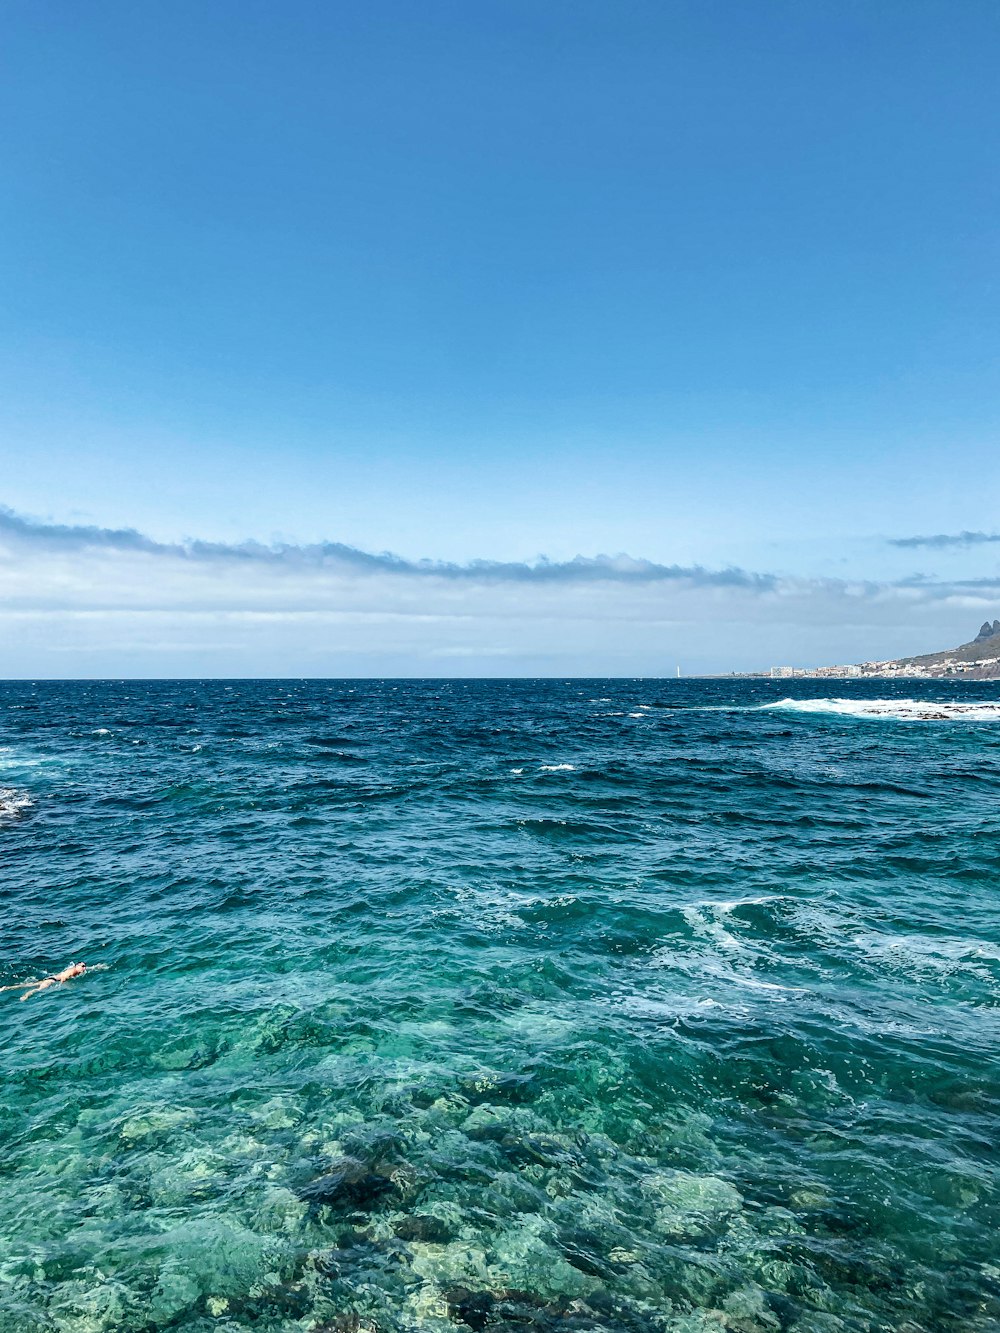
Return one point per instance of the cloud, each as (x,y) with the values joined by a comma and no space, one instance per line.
(18,531)
(943,540)
(78,600)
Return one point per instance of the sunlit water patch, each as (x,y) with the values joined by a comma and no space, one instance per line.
(464,1006)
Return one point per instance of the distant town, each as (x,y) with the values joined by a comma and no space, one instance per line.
(979,659)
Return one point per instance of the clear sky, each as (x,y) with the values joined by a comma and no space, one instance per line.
(713,284)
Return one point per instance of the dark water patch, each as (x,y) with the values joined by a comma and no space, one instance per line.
(351,1185)
(341,757)
(566,830)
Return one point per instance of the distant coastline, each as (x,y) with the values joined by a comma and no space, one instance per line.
(979,659)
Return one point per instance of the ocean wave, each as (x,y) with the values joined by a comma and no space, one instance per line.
(13,802)
(896,710)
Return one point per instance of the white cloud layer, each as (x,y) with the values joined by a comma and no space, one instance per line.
(84,601)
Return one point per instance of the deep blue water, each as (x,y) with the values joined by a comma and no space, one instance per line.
(537,1007)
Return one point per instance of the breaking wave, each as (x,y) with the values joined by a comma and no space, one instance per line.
(13,802)
(898,710)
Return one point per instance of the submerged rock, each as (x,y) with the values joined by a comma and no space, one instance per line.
(491,1123)
(156,1126)
(513,1310)
(488,1086)
(539,1150)
(186,1053)
(350,1183)
(587,1251)
(281,1300)
(349,1322)
(278,1113)
(691,1206)
(174,1293)
(358,1252)
(472,1308)
(425,1228)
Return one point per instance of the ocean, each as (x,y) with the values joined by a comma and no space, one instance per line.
(527,1006)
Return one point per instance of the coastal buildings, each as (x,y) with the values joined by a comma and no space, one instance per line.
(979,659)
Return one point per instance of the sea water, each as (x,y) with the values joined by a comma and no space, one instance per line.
(541,1006)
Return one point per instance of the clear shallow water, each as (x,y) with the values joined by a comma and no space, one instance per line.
(501,1005)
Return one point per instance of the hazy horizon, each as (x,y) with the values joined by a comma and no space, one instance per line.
(119,604)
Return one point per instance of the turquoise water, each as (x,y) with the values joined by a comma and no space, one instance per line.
(538,1006)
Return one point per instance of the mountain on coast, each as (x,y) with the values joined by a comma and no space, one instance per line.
(979,659)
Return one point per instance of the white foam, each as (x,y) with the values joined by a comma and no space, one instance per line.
(558,768)
(924,954)
(672,1007)
(898,710)
(12,802)
(754,984)
(731,904)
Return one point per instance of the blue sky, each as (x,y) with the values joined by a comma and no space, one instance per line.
(711,284)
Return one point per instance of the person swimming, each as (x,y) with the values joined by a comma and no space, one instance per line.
(67,974)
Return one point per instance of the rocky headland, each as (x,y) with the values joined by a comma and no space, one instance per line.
(979,659)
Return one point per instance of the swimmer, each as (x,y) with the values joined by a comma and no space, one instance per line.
(67,974)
